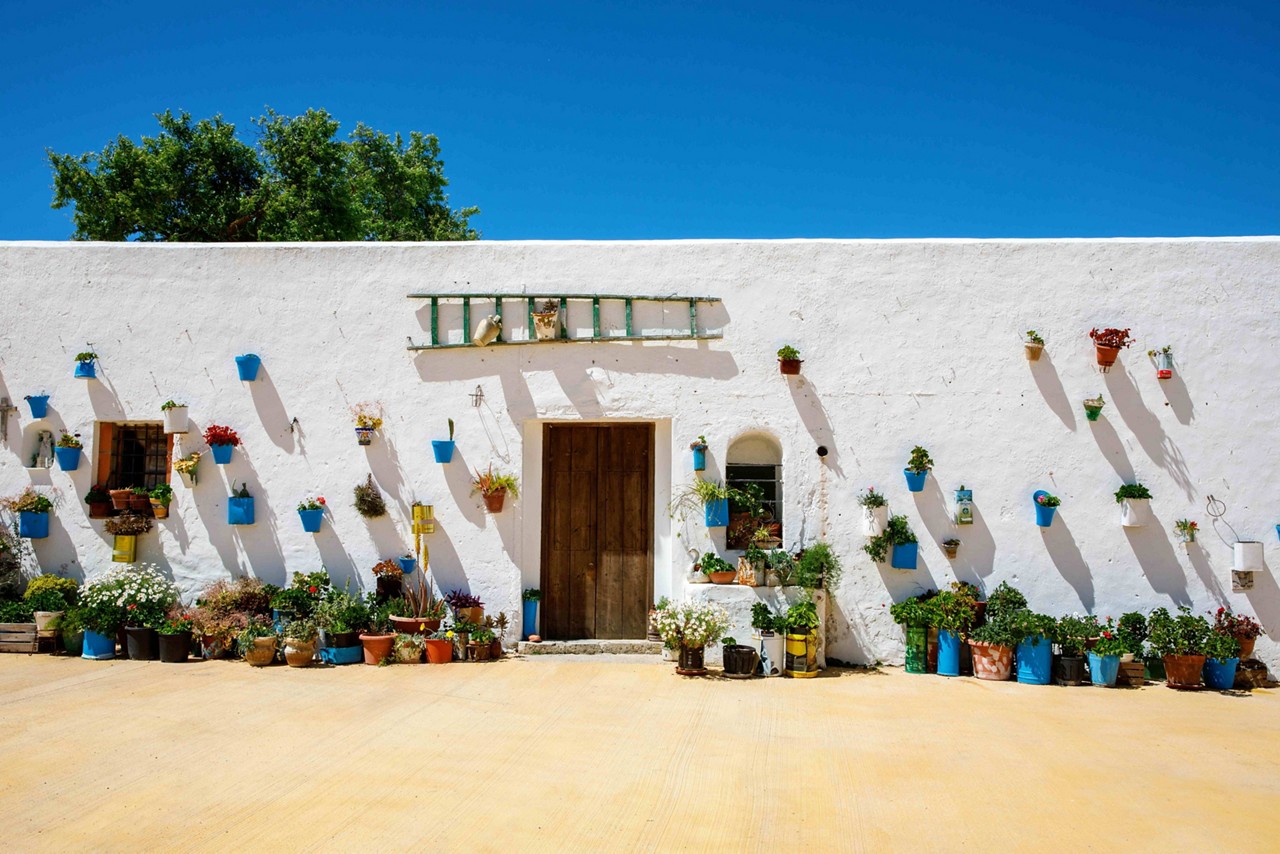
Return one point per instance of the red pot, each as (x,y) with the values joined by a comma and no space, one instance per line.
(439,651)
(140,504)
(377,647)
(414,625)
(1106,355)
(495,649)
(120,498)
(991,662)
(493,500)
(100,509)
(789,366)
(1246,647)
(1183,671)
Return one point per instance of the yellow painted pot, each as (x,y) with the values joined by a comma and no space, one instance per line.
(125,548)
(802,655)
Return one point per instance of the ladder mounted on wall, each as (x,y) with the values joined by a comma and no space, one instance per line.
(528,302)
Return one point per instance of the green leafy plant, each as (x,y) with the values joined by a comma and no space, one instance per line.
(951,611)
(28,501)
(410,643)
(896,532)
(1111,337)
(1220,646)
(920,460)
(178,622)
(368,500)
(163,493)
(1074,632)
(997,632)
(301,630)
(871,498)
(67,440)
(698,444)
(783,566)
(1109,640)
(102,617)
(1004,600)
(97,494)
(255,628)
(67,588)
(916,611)
(489,482)
(86,356)
(1030,627)
(1048,500)
(788,353)
(802,617)
(1185,634)
(1238,626)
(1033,337)
(46,600)
(1131,628)
(531,594)
(1132,491)
(766,620)
(712,562)
(694,496)
(818,566)
(170,404)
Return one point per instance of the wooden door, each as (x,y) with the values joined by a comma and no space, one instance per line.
(597,530)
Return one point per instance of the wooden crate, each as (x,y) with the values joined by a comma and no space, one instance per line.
(1131,673)
(18,637)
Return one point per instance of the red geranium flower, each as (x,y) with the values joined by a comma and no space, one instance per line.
(320,500)
(313,589)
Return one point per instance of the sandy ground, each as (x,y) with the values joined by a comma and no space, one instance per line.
(547,754)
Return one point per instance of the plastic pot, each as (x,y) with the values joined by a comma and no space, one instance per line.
(948,653)
(86,370)
(240,511)
(222,453)
(1183,671)
(915,479)
(175,649)
(311,520)
(874,520)
(247,367)
(406,564)
(98,647)
(1135,512)
(1044,515)
(904,555)
(773,653)
(692,661)
(700,458)
(1103,669)
(439,651)
(176,420)
(740,661)
(529,618)
(443,449)
(1071,669)
(1220,675)
(1035,661)
(716,513)
(142,643)
(33,526)
(73,643)
(39,404)
(917,649)
(377,647)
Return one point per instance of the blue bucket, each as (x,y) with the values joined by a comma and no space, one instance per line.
(1103,669)
(240,511)
(222,453)
(948,653)
(68,458)
(1220,675)
(904,555)
(443,449)
(1035,661)
(529,619)
(311,520)
(342,654)
(1044,515)
(98,647)
(717,513)
(915,479)
(86,370)
(39,404)
(700,459)
(247,366)
(406,564)
(33,526)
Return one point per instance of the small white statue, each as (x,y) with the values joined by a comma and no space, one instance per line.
(44,451)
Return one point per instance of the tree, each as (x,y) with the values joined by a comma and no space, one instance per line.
(197,181)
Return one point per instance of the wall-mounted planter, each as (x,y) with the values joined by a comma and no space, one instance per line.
(1164,366)
(1248,556)
(364,436)
(39,404)
(1093,407)
(950,549)
(68,458)
(546,325)
(904,555)
(493,501)
(1136,512)
(1044,515)
(874,520)
(443,449)
(1106,356)
(964,506)
(175,420)
(699,457)
(406,564)
(86,370)
(717,513)
(311,520)
(222,453)
(790,367)
(247,367)
(1278,530)
(33,526)
(124,548)
(240,511)
(1033,350)
(916,479)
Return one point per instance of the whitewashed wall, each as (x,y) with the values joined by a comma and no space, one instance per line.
(904,342)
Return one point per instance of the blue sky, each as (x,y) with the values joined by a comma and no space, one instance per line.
(698,119)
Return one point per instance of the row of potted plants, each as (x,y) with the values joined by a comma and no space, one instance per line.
(1107,346)
(815,567)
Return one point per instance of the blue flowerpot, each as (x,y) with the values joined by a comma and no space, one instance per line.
(277,619)
(1103,669)
(1035,661)
(247,366)
(342,654)
(443,449)
(904,555)
(700,459)
(1278,530)
(39,404)
(948,653)
(98,647)
(222,453)
(529,619)
(717,513)
(311,520)
(240,511)
(33,526)
(1044,515)
(406,564)
(915,479)
(86,370)
(68,458)
(1220,675)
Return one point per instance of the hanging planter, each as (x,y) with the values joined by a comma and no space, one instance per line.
(443,448)
(175,417)
(1135,505)
(1108,343)
(407,563)
(1033,345)
(905,555)
(1186,529)
(546,320)
(875,512)
(311,512)
(1093,407)
(188,468)
(699,449)
(68,452)
(160,497)
(1164,362)
(1248,556)
(488,331)
(368,418)
(240,507)
(950,548)
(1046,506)
(247,367)
(39,404)
(917,469)
(897,543)
(493,487)
(33,525)
(86,365)
(964,506)
(789,360)
(222,440)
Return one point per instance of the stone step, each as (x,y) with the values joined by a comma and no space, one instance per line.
(590,647)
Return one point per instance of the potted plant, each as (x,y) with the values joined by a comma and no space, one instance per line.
(68,451)
(992,646)
(466,608)
(389,579)
(1034,346)
(422,612)
(222,440)
(240,506)
(86,365)
(99,501)
(1222,657)
(340,618)
(897,541)
(1186,531)
(439,646)
(711,495)
(1135,505)
(740,660)
(529,613)
(546,320)
(917,469)
(1131,629)
(690,627)
(1108,343)
(1003,601)
(188,467)
(247,367)
(802,639)
(409,648)
(99,617)
(951,612)
(1180,641)
(33,510)
(47,607)
(1046,506)
(379,640)
(493,488)
(718,570)
(368,418)
(770,633)
(950,547)
(818,567)
(368,500)
(1164,362)
(914,615)
(699,448)
(753,566)
(1104,658)
(175,416)
(443,448)
(143,598)
(789,360)
(311,512)
(1246,630)
(480,644)
(1093,407)
(125,529)
(160,497)
(39,404)
(257,642)
(1035,650)
(1073,634)
(300,642)
(175,637)
(139,500)
(875,512)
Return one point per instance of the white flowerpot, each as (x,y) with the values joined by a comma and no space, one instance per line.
(1126,658)
(773,650)
(874,520)
(1248,556)
(1135,512)
(546,326)
(699,577)
(43,619)
(175,420)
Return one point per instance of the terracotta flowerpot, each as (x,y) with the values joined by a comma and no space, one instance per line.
(950,550)
(161,511)
(724,577)
(692,661)
(377,647)
(991,661)
(263,652)
(1033,351)
(1246,647)
(790,367)
(139,503)
(478,651)
(495,649)
(299,653)
(1106,355)
(120,498)
(100,509)
(408,655)
(414,625)
(439,651)
(493,500)
(1183,671)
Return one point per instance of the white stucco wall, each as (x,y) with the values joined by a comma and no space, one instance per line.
(904,342)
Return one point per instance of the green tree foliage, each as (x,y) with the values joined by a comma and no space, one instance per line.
(197,181)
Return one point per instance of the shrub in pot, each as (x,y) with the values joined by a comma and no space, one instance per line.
(68,451)
(144,598)
(301,638)
(875,512)
(257,642)
(952,614)
(99,501)
(1180,641)
(789,360)
(1222,657)
(1135,505)
(1164,362)
(917,469)
(409,648)
(914,615)
(802,626)
(175,637)
(1186,530)
(160,497)
(719,571)
(311,513)
(992,644)
(466,607)
(1046,506)
(379,641)
(546,320)
(422,612)
(86,365)
(770,628)
(223,441)
(817,567)
(699,449)
(1073,634)
(1003,601)
(1246,630)
(690,627)
(1104,658)
(439,646)
(368,419)
(188,467)
(897,542)
(100,618)
(240,509)
(529,611)
(175,417)
(1108,343)
(389,579)
(340,617)
(1035,649)
(32,509)
(368,500)
(709,496)
(46,606)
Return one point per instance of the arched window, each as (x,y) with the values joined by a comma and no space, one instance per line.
(754,465)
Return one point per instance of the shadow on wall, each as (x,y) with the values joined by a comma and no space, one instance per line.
(387,541)
(457,475)
(443,562)
(336,559)
(1050,385)
(813,415)
(103,398)
(1146,428)
(1112,448)
(1200,563)
(1068,560)
(902,584)
(976,558)
(271,412)
(384,464)
(1177,398)
(1159,563)
(1265,599)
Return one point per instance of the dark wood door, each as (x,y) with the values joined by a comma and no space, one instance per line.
(597,530)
